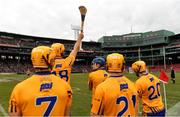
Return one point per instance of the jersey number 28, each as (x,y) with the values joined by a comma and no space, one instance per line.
(64,74)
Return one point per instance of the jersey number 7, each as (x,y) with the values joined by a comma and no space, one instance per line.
(51,99)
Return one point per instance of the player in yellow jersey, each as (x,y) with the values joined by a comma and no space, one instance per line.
(62,67)
(43,94)
(116,96)
(148,87)
(98,74)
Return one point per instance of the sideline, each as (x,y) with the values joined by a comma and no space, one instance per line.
(3,111)
(174,111)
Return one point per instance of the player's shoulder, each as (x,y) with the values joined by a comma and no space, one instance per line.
(57,79)
(106,83)
(102,86)
(94,73)
(130,84)
(98,72)
(23,84)
(58,60)
(127,79)
(154,77)
(104,72)
(141,79)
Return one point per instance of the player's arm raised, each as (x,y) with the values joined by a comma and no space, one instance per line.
(77,45)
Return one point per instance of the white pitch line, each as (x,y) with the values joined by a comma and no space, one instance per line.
(3,111)
(174,111)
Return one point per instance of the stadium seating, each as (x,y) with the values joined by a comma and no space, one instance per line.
(168,68)
(17,45)
(14,66)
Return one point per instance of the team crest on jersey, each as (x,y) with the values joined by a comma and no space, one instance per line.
(46,86)
(151,79)
(123,86)
(105,75)
(58,65)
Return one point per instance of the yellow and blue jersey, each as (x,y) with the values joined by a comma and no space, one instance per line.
(148,87)
(43,94)
(62,67)
(116,96)
(95,78)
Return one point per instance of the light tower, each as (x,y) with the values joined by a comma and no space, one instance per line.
(76,32)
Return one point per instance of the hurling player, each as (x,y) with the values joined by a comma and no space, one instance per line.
(116,96)
(62,67)
(43,94)
(98,74)
(148,87)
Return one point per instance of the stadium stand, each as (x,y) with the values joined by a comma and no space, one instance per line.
(10,65)
(148,46)
(15,50)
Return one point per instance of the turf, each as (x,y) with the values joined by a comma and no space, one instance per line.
(81,94)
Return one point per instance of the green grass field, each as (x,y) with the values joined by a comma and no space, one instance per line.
(81,94)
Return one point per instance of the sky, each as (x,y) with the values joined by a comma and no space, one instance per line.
(54,18)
